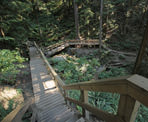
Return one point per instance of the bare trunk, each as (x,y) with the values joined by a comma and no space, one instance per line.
(141,51)
(76,20)
(2,32)
(101,14)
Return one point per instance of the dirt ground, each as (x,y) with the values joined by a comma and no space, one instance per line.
(24,81)
(23,84)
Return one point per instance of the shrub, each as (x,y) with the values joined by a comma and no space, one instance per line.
(10,62)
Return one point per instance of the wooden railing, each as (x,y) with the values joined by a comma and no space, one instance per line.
(17,114)
(132,89)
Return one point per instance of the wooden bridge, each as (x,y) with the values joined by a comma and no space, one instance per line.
(51,50)
(53,103)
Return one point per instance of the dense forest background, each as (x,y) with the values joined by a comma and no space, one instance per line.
(47,21)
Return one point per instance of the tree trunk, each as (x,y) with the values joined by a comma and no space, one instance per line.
(2,32)
(141,51)
(101,14)
(76,20)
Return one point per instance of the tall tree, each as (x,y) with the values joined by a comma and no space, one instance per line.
(101,14)
(76,20)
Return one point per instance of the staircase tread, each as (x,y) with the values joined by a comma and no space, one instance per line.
(49,102)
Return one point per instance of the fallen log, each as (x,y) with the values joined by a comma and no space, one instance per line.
(57,49)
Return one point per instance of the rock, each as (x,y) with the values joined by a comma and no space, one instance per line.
(59,58)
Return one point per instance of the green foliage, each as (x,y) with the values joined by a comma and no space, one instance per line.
(105,101)
(113,72)
(10,62)
(76,70)
(72,71)
(3,111)
(142,114)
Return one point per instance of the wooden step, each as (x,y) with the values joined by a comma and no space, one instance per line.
(74,118)
(63,116)
(81,120)
(51,113)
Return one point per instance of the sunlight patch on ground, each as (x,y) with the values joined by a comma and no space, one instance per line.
(8,93)
(49,84)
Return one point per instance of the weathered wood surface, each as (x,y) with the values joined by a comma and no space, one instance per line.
(126,107)
(49,102)
(55,75)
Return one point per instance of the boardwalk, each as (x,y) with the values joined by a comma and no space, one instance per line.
(50,103)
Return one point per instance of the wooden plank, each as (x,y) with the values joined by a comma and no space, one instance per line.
(118,80)
(114,85)
(138,94)
(17,114)
(34,113)
(10,116)
(99,113)
(57,78)
(135,111)
(84,98)
(140,81)
(138,88)
(126,107)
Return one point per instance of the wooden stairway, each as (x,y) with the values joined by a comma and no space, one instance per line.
(49,102)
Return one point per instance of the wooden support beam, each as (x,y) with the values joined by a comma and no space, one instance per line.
(87,102)
(84,98)
(99,113)
(114,85)
(127,108)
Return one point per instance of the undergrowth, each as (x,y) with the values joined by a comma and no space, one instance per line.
(10,63)
(3,111)
(74,70)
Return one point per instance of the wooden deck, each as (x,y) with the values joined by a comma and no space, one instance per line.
(50,103)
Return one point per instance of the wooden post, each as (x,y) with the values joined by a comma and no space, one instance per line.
(65,95)
(127,108)
(84,98)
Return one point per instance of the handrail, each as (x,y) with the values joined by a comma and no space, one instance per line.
(131,88)
(58,80)
(135,86)
(17,114)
